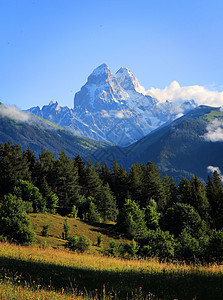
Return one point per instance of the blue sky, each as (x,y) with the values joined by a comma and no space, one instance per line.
(49,47)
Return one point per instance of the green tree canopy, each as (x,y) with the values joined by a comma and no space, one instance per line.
(14,221)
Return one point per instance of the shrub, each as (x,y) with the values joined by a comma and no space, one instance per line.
(74,211)
(158,243)
(45,229)
(80,243)
(99,240)
(115,249)
(214,251)
(132,248)
(66,228)
(188,247)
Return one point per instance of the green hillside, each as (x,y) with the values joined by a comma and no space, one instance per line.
(180,149)
(39,134)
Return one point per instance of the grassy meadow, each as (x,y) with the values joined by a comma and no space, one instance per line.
(48,271)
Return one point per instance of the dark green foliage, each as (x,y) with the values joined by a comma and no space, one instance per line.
(92,183)
(152,216)
(81,169)
(14,221)
(66,228)
(79,243)
(131,220)
(214,250)
(214,190)
(119,184)
(115,249)
(136,176)
(132,248)
(66,184)
(45,230)
(153,187)
(93,216)
(29,193)
(187,248)
(13,166)
(74,211)
(198,198)
(51,202)
(158,243)
(106,203)
(99,240)
(183,216)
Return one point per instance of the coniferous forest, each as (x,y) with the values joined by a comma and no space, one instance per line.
(162,219)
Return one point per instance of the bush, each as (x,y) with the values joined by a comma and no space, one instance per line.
(115,249)
(80,243)
(188,247)
(99,240)
(66,228)
(45,229)
(158,243)
(132,248)
(214,251)
(74,211)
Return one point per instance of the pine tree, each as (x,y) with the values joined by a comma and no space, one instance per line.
(13,166)
(198,198)
(136,176)
(214,190)
(81,168)
(92,180)
(153,187)
(66,183)
(106,203)
(119,186)
(105,176)
(44,173)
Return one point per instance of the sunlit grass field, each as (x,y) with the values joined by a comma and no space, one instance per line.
(97,276)
(76,227)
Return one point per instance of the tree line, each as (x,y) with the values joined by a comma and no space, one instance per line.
(181,221)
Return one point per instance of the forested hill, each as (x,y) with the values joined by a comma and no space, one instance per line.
(187,146)
(37,134)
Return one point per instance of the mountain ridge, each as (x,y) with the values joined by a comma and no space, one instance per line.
(113,108)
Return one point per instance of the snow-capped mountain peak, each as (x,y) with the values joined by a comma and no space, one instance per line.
(114,108)
(99,75)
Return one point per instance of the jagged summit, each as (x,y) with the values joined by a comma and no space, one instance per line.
(128,81)
(100,74)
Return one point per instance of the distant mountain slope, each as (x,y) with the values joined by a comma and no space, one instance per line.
(181,149)
(36,133)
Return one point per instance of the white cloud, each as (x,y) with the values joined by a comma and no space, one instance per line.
(120,115)
(105,114)
(176,93)
(214,131)
(211,169)
(14,113)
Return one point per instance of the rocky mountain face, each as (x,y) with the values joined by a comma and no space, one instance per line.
(113,108)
